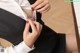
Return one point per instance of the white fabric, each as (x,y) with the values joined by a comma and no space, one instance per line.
(20,48)
(77,13)
(14,7)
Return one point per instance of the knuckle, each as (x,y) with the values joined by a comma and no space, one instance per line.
(38,23)
(36,33)
(46,1)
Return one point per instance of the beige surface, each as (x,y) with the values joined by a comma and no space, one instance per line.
(60,16)
(4,42)
(60,19)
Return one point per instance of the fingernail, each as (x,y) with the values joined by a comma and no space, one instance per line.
(32,9)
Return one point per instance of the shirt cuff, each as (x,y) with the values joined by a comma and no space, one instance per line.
(23,48)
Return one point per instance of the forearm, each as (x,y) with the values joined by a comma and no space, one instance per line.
(71,43)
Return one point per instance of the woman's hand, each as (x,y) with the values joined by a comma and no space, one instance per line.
(41,5)
(30,37)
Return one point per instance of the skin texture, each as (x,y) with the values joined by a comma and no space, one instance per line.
(41,6)
(30,37)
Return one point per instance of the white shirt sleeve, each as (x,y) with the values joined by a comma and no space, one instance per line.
(20,48)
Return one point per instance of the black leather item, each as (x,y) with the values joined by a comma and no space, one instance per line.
(50,42)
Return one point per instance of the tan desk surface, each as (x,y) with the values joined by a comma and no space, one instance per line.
(60,19)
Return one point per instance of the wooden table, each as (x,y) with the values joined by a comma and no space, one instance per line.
(61,19)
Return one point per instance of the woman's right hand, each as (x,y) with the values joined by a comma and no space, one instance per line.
(30,37)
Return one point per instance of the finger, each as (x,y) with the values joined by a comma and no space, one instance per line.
(37,3)
(33,27)
(41,5)
(38,26)
(27,26)
(44,8)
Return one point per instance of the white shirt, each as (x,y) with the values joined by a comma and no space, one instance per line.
(77,13)
(15,8)
(20,48)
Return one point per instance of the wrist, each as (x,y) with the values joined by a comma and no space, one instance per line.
(29,43)
(23,48)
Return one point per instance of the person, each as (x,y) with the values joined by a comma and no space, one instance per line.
(48,41)
(23,44)
(28,39)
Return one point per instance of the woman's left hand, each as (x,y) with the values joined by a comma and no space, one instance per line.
(41,5)
(30,37)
